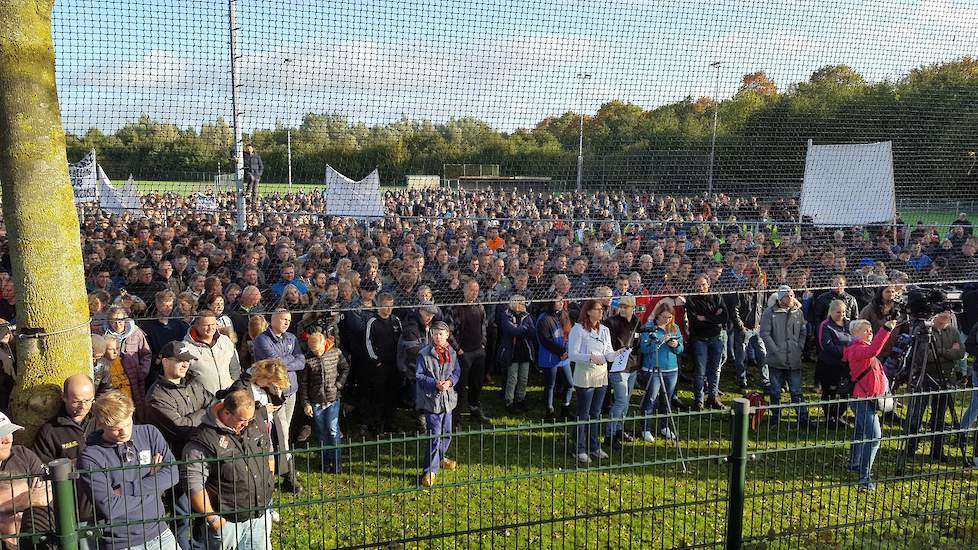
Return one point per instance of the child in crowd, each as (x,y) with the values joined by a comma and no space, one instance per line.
(320,384)
(437,374)
(111,362)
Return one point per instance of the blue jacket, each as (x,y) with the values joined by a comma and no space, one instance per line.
(429,371)
(286,348)
(514,330)
(131,495)
(661,356)
(550,337)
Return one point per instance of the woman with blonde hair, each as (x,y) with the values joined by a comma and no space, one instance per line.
(660,367)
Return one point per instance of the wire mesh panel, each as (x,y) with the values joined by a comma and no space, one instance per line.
(924,487)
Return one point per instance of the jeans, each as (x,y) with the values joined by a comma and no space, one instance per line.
(970,415)
(622,383)
(749,342)
(165,541)
(707,352)
(658,394)
(793,376)
(867,428)
(182,511)
(550,378)
(251,534)
(516,375)
(589,401)
(327,421)
(440,425)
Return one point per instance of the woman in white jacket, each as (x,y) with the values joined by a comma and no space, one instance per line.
(589,350)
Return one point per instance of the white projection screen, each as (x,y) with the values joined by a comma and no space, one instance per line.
(849,184)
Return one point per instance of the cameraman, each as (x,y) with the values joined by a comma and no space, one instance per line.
(941,358)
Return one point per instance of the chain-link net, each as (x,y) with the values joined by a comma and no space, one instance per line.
(574,150)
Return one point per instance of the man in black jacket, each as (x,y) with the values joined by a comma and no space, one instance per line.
(64,435)
(233,491)
(745,318)
(469,331)
(380,375)
(253,168)
(176,404)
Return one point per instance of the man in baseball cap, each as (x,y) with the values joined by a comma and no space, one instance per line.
(19,461)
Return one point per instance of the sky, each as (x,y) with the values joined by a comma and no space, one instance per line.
(509,62)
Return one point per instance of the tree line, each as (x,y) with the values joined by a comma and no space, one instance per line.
(930,115)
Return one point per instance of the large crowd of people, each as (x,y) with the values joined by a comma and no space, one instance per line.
(212,343)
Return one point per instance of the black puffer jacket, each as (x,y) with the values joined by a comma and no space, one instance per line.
(323,378)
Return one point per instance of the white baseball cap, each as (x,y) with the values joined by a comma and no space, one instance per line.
(7,427)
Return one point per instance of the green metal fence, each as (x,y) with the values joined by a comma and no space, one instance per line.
(723,483)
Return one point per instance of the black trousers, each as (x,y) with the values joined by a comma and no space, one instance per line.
(915,416)
(382,386)
(473,366)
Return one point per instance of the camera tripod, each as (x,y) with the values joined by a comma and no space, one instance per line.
(919,380)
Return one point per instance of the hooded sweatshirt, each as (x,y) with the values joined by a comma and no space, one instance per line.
(132,495)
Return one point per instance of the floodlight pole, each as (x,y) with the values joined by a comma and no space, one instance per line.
(713,140)
(288,115)
(236,117)
(580,145)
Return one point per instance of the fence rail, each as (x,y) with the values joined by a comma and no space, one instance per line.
(723,483)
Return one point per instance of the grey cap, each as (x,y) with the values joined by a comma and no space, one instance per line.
(440,325)
(783,291)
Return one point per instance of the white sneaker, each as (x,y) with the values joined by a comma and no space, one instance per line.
(648,437)
(599,454)
(275,516)
(667,433)
(583,458)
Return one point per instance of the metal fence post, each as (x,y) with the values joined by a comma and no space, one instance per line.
(738,473)
(64,503)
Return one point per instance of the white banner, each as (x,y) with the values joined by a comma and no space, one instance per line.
(849,184)
(84,179)
(118,201)
(206,203)
(356,199)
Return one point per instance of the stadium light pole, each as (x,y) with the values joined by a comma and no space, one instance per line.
(288,114)
(242,215)
(580,146)
(713,140)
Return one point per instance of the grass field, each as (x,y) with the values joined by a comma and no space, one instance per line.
(798,490)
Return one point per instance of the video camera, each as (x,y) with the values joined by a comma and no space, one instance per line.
(924,304)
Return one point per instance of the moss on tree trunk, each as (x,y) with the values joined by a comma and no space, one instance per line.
(39,211)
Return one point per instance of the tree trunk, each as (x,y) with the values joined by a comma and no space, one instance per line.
(39,212)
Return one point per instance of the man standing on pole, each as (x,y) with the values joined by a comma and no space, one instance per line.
(253,168)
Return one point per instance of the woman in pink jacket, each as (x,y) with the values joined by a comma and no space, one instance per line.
(868,381)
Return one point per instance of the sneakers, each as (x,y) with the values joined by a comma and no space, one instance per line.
(866,485)
(715,404)
(448,464)
(427,480)
(667,433)
(648,437)
(583,458)
(599,454)
(698,406)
